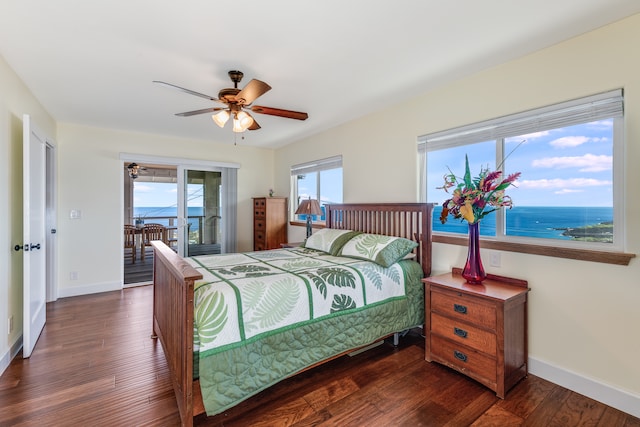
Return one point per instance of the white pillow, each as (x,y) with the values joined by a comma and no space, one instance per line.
(329,240)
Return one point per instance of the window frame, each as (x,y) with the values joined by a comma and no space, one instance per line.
(578,111)
(316,166)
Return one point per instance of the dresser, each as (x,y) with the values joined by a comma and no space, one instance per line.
(478,330)
(269,222)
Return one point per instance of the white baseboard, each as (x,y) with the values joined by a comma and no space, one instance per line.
(620,399)
(6,359)
(89,289)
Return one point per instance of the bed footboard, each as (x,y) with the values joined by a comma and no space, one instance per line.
(173,281)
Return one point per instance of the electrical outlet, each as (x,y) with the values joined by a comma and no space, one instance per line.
(494,259)
(10,322)
(73,275)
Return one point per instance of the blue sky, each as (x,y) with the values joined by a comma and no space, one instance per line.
(571,166)
(331,186)
(157,194)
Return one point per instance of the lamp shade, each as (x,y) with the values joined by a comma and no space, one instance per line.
(309,207)
(221,118)
(245,120)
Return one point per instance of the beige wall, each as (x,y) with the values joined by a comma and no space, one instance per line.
(90,180)
(15,100)
(583,316)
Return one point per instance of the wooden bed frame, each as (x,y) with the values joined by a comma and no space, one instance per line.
(174,279)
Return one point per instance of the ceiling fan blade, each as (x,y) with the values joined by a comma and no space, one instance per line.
(252,91)
(279,112)
(255,125)
(195,112)
(191,92)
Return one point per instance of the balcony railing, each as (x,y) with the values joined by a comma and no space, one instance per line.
(195,226)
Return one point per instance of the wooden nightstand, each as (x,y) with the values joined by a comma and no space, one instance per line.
(478,330)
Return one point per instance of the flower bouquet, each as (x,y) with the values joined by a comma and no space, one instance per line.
(472,199)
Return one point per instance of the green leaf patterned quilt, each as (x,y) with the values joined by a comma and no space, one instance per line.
(254,313)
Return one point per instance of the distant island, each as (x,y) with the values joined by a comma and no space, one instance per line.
(602,232)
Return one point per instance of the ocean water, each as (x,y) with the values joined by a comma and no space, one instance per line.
(532,221)
(147,213)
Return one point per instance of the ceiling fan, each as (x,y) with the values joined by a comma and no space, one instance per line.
(237,100)
(135,170)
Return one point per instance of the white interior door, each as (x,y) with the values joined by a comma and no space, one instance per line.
(34,236)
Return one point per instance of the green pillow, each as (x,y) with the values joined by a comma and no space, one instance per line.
(329,240)
(383,250)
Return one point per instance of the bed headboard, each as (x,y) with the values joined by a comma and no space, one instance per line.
(409,220)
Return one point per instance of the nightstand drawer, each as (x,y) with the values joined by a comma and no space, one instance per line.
(464,333)
(464,359)
(461,306)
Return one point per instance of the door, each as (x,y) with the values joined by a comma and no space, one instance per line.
(34,236)
(200,211)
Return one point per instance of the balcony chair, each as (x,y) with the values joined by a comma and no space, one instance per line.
(130,241)
(152,232)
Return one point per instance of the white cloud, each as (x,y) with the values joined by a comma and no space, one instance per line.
(571,184)
(603,139)
(568,191)
(528,137)
(601,124)
(569,141)
(143,188)
(586,163)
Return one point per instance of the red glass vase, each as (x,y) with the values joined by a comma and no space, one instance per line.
(473,270)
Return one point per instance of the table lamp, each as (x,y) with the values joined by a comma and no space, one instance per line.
(309,207)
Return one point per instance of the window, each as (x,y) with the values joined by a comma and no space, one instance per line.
(321,180)
(570,157)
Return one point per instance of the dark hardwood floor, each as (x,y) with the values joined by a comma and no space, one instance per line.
(95,365)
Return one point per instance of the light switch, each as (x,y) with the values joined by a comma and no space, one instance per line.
(75,214)
(495,259)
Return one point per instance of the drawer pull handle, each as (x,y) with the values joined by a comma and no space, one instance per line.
(458,308)
(460,332)
(460,355)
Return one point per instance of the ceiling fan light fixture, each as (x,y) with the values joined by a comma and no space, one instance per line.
(133,169)
(236,125)
(221,118)
(245,120)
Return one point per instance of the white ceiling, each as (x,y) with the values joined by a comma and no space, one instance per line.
(93,62)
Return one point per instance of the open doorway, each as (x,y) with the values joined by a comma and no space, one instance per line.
(150,197)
